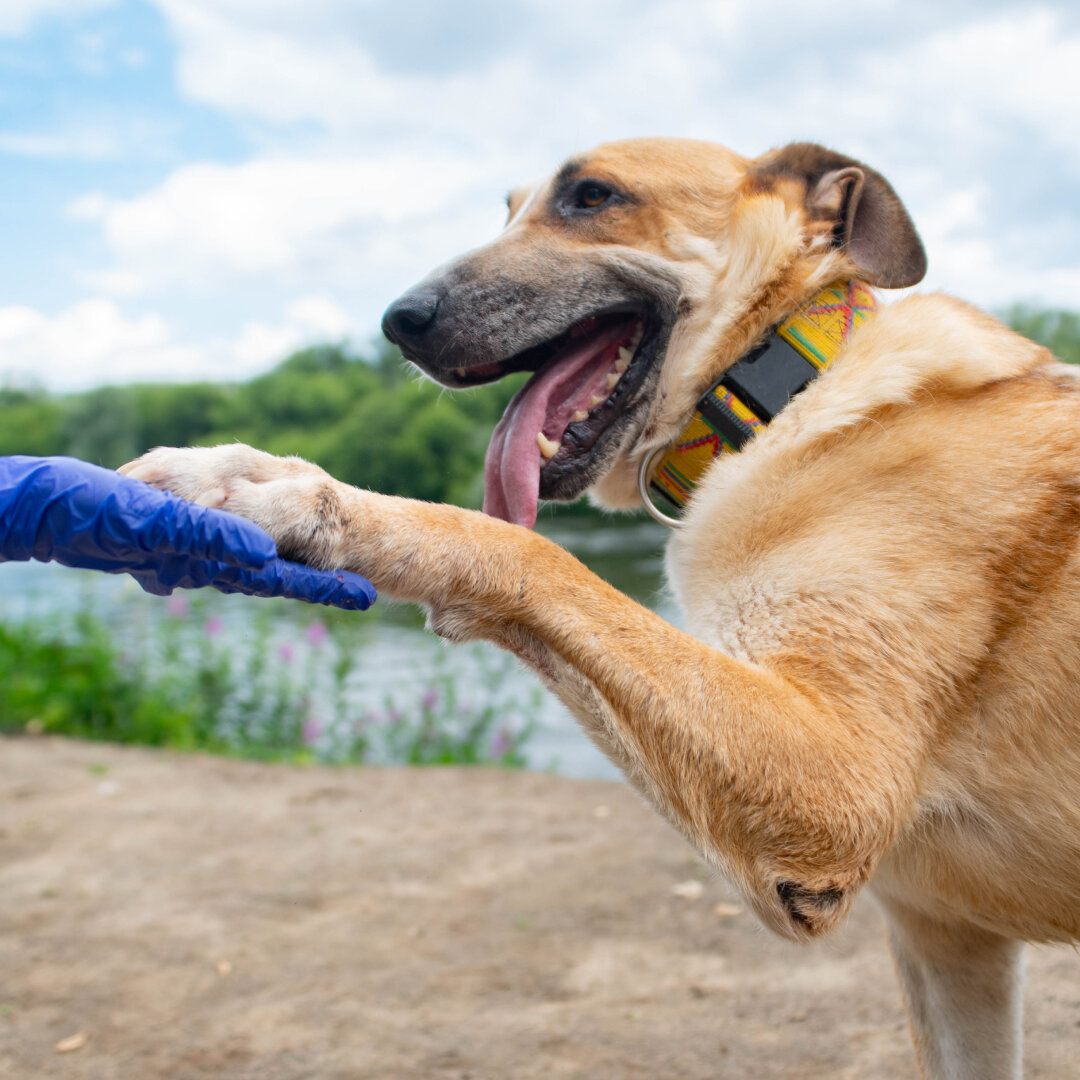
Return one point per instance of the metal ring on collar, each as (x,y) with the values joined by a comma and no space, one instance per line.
(643,490)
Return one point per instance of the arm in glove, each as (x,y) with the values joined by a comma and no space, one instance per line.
(80,515)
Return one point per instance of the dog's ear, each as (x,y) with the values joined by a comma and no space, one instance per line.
(868,219)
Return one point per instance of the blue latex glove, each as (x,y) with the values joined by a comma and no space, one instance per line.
(80,515)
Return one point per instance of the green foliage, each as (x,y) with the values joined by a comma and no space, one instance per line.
(178,415)
(443,730)
(82,687)
(31,423)
(180,687)
(1059,331)
(100,426)
(369,421)
(405,442)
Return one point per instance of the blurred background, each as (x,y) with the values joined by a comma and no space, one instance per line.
(206,204)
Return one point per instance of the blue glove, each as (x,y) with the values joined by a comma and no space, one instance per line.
(81,515)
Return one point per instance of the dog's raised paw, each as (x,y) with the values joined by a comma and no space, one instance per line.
(206,474)
(196,475)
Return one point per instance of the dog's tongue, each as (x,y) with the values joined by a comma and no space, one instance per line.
(512,463)
(545,403)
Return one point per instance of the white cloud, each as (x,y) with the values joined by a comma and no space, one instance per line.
(538,79)
(97,133)
(87,343)
(84,143)
(94,342)
(309,320)
(534,77)
(207,223)
(247,61)
(974,80)
(260,344)
(320,316)
(89,207)
(937,99)
(381,137)
(18,16)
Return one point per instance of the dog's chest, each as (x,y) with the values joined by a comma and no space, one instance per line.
(732,571)
(773,542)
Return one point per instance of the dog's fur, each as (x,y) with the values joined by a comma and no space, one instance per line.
(883,588)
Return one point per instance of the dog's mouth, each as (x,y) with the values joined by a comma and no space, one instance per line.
(587,389)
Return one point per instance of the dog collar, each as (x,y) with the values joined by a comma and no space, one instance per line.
(752,391)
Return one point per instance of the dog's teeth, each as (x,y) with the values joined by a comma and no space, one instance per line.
(595,400)
(548,448)
(636,339)
(459,372)
(580,415)
(612,380)
(625,356)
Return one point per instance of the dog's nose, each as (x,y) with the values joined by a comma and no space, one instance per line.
(409,316)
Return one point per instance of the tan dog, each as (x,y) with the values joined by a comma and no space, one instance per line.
(883,587)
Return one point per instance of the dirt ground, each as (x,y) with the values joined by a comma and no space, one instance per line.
(187,917)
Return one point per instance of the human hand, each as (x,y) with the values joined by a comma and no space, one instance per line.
(84,516)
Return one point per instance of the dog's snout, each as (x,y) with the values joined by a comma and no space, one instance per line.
(409,317)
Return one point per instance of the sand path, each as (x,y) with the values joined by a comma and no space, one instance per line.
(187,917)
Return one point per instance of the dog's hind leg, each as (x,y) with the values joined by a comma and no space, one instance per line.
(963,988)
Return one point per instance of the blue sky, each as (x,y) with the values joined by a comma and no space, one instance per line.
(191,188)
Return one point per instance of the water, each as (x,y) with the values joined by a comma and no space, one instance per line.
(396,659)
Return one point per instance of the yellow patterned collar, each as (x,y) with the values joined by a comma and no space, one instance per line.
(752,391)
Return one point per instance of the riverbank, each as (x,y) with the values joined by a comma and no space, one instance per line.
(91,655)
(184,917)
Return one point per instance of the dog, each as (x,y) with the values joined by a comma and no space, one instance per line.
(882,585)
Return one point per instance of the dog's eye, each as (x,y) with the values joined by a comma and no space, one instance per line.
(591,194)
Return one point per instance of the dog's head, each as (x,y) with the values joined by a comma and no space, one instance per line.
(628,282)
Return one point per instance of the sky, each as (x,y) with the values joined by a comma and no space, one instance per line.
(191,189)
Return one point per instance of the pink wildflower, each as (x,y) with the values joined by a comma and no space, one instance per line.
(500,743)
(286,652)
(177,605)
(213,626)
(311,731)
(430,699)
(316,634)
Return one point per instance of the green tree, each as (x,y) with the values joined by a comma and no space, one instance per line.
(101,426)
(1059,331)
(178,415)
(31,423)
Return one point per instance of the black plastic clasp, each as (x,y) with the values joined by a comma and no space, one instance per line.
(769,377)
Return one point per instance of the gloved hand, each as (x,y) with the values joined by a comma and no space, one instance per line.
(80,515)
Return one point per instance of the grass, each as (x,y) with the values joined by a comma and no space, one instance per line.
(178,680)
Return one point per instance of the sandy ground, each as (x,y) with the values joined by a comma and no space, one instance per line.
(186,917)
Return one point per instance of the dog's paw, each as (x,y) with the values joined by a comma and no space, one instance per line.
(296,502)
(205,474)
(304,514)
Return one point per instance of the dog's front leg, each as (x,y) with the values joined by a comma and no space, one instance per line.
(793,796)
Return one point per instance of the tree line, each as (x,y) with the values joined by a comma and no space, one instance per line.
(368,419)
